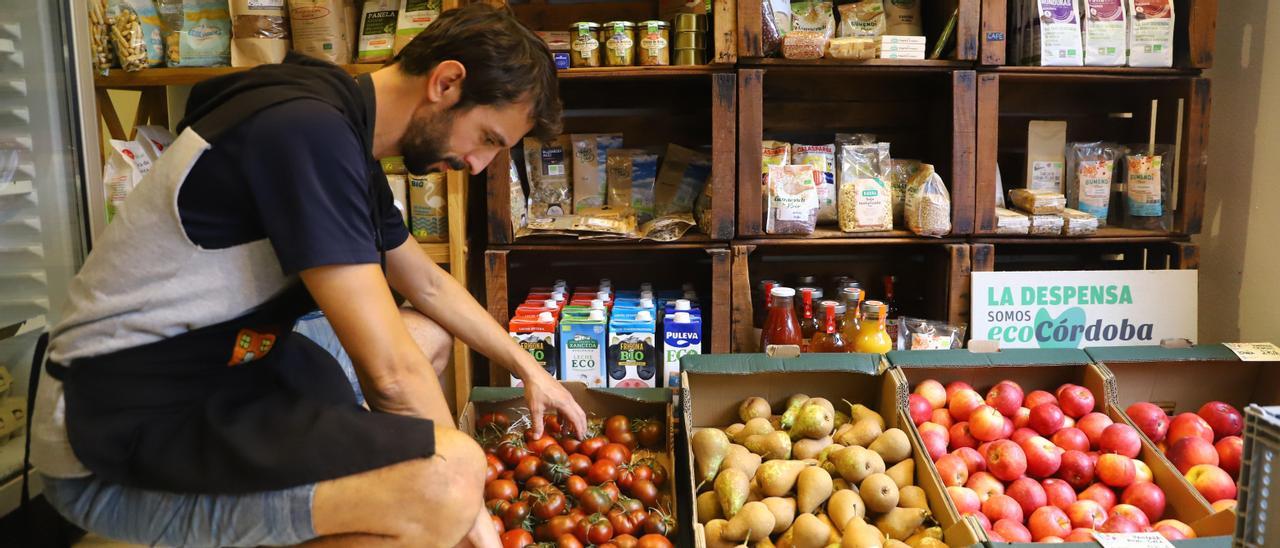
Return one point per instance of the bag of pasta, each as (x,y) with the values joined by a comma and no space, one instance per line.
(865,201)
(928,205)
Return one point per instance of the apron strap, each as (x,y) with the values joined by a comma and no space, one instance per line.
(32,385)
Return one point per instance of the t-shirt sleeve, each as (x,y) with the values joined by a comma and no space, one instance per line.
(394,233)
(308,175)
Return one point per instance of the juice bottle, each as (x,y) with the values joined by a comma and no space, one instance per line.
(781,326)
(829,338)
(872,337)
(851,298)
(808,323)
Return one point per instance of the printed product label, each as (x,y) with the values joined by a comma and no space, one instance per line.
(552,161)
(873,202)
(543,349)
(678,344)
(1151,33)
(585,44)
(582,357)
(266,4)
(632,360)
(378,32)
(620,42)
(1104,33)
(1143,186)
(1046,175)
(1094,180)
(653,43)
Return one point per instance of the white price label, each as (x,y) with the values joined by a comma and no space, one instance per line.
(1132,540)
(1255,352)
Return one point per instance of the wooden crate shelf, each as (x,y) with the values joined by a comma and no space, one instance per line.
(1096,107)
(1104,235)
(510,272)
(185,76)
(935,15)
(1084,255)
(843,64)
(558,16)
(923,113)
(1193,33)
(932,278)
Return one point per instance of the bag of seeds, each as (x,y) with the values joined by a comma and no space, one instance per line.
(631,175)
(865,202)
(928,205)
(821,157)
(547,165)
(259,32)
(589,153)
(1090,173)
(792,199)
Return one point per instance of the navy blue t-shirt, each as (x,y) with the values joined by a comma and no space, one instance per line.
(296,174)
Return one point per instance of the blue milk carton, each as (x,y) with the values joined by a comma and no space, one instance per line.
(633,351)
(681,336)
(582,348)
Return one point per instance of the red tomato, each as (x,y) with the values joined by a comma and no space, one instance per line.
(577,514)
(626,439)
(576,486)
(515,516)
(560,525)
(501,489)
(659,472)
(646,491)
(538,445)
(659,523)
(551,425)
(630,504)
(621,522)
(570,444)
(615,452)
(497,506)
(509,475)
(548,504)
(568,541)
(497,525)
(527,468)
(648,433)
(653,541)
(625,541)
(497,420)
(511,449)
(595,529)
(602,471)
(578,464)
(591,446)
(611,489)
(639,516)
(493,467)
(595,500)
(517,538)
(536,482)
(616,426)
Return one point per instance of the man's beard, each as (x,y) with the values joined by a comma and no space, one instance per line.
(423,142)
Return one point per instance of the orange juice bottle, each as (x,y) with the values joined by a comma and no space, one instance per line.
(829,338)
(851,298)
(872,337)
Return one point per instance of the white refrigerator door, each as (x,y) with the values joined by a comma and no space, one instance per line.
(42,232)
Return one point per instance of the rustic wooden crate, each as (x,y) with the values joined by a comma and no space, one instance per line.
(937,272)
(558,15)
(935,13)
(690,107)
(1001,255)
(511,270)
(1193,35)
(1007,101)
(924,113)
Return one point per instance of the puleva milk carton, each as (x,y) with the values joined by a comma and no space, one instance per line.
(681,336)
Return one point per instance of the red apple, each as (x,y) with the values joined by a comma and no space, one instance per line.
(972,459)
(1188,425)
(998,507)
(1051,540)
(1120,524)
(985,485)
(986,423)
(1190,451)
(1076,469)
(1230,450)
(994,536)
(1122,439)
(1148,497)
(1046,418)
(956,386)
(1008,428)
(962,403)
(1224,504)
(1029,494)
(1006,460)
(1092,425)
(1049,521)
(1086,514)
(962,436)
(1150,418)
(933,392)
(1043,457)
(1101,494)
(1022,434)
(953,470)
(1005,397)
(1020,417)
(1141,472)
(920,408)
(1071,438)
(1075,401)
(1131,513)
(983,520)
(966,499)
(1212,482)
(1038,397)
(1080,535)
(935,427)
(1068,422)
(942,417)
(1172,529)
(1115,470)
(1059,493)
(1012,531)
(1223,418)
(934,443)
(983,448)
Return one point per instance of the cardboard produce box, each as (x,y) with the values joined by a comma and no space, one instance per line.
(1180,380)
(1046,369)
(601,403)
(713,387)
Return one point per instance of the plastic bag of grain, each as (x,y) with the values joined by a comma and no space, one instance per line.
(319,30)
(548,166)
(259,32)
(928,206)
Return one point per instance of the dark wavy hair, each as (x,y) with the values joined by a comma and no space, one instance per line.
(505,61)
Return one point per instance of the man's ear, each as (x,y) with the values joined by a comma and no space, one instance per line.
(444,83)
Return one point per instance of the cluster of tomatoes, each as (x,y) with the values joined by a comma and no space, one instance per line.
(559,491)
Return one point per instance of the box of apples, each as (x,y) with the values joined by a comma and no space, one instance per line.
(1030,445)
(1188,402)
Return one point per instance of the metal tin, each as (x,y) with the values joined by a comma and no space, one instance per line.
(688,57)
(584,37)
(655,44)
(690,21)
(619,43)
(690,39)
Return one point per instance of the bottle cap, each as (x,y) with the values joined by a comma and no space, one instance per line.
(596,316)
(683,317)
(646,302)
(549,303)
(597,304)
(603,295)
(691,295)
(644,316)
(646,286)
(546,317)
(646,295)
(782,292)
(683,305)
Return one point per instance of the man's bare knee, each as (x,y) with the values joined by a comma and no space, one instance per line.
(435,342)
(451,485)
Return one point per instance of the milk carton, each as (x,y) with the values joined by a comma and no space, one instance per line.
(681,336)
(582,347)
(537,336)
(633,351)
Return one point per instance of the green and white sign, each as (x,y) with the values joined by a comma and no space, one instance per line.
(1082,309)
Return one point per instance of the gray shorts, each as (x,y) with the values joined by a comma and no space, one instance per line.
(271,518)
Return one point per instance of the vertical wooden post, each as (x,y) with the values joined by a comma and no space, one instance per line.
(750,132)
(993,36)
(982,258)
(959,282)
(721,299)
(495,283)
(1200,33)
(1186,256)
(964,140)
(749,14)
(724,25)
(498,193)
(1195,159)
(456,183)
(968,23)
(724,143)
(988,123)
(744,339)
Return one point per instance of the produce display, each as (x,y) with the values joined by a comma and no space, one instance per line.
(611,487)
(1039,466)
(1205,446)
(810,477)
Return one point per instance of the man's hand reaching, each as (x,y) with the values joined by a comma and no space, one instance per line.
(544,395)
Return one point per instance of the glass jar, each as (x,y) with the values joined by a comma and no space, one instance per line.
(619,43)
(809,323)
(584,37)
(829,338)
(851,297)
(655,44)
(781,326)
(872,337)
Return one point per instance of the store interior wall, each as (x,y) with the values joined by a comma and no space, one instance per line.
(1239,255)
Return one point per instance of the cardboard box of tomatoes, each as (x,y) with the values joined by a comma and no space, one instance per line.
(616,485)
(1032,446)
(808,451)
